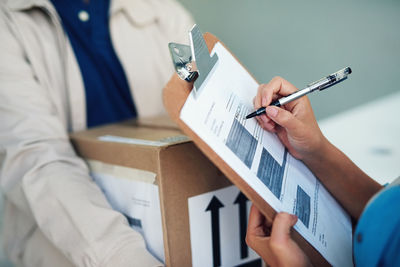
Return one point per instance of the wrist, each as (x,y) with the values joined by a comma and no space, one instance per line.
(321,155)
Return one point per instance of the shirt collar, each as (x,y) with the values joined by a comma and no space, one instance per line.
(140,12)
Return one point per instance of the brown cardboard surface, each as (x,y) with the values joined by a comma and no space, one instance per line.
(131,129)
(158,122)
(181,171)
(185,172)
(174,95)
(141,157)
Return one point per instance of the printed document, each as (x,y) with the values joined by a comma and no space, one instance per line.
(217,116)
(133,193)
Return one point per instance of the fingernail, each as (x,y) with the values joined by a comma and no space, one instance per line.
(271,111)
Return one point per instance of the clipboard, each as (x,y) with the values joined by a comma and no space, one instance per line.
(175,94)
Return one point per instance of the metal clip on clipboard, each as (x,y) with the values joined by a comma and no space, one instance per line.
(193,63)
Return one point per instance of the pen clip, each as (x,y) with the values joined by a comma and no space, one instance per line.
(318,85)
(330,80)
(332,83)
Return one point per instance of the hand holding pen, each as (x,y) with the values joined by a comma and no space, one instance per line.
(295,124)
(320,85)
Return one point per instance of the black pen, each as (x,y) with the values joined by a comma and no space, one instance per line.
(320,85)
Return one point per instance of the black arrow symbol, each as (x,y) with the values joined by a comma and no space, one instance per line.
(214,207)
(241,200)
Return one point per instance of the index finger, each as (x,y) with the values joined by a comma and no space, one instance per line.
(256,218)
(277,86)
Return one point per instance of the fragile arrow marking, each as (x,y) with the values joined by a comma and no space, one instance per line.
(214,207)
(241,200)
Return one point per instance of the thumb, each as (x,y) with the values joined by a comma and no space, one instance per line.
(281,227)
(284,118)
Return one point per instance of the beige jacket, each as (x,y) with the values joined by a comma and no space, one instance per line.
(54,214)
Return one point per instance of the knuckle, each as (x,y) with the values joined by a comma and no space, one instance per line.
(277,245)
(277,78)
(266,91)
(282,217)
(262,87)
(249,240)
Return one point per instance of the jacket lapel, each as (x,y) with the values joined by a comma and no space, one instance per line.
(76,98)
(139,12)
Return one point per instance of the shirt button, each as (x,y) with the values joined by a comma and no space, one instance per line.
(359,237)
(83,15)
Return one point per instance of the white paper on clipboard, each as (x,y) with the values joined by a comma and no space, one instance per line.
(217,117)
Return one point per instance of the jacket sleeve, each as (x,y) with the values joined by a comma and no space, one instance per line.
(43,177)
(175,21)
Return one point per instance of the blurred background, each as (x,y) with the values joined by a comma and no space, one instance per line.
(303,41)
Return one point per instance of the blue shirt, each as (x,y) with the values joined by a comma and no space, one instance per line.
(377,237)
(108,97)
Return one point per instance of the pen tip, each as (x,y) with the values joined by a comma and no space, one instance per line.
(251,115)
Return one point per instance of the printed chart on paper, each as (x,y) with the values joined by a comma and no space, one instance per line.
(217,116)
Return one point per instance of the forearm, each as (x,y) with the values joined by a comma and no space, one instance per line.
(342,178)
(71,211)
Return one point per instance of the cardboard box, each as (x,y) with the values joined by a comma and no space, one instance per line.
(182,175)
